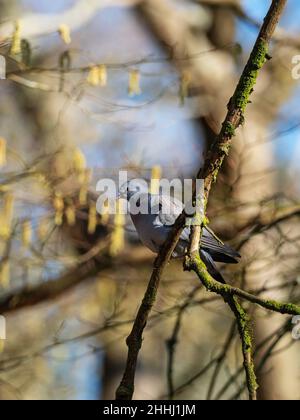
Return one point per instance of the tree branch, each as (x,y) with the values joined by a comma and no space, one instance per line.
(214,159)
(209,172)
(29,296)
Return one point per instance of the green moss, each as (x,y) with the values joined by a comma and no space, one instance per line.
(229,129)
(225,148)
(245,331)
(205,221)
(249,76)
(284,308)
(194,262)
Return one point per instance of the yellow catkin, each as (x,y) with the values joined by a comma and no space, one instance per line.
(58,219)
(134,83)
(4,229)
(9,207)
(85,178)
(4,273)
(70,215)
(118,234)
(2,151)
(16,47)
(42,229)
(155,178)
(79,161)
(97,75)
(6,215)
(26,233)
(93,76)
(92,220)
(102,75)
(58,204)
(83,194)
(65,33)
(185,81)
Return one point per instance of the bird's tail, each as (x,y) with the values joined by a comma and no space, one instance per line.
(211,267)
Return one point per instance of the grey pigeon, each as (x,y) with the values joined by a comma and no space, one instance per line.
(153,228)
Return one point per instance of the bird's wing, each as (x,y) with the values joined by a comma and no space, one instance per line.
(169,209)
(216,248)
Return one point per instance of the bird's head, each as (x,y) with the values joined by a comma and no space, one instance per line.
(132,187)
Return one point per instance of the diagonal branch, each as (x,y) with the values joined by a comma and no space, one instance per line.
(209,172)
(214,159)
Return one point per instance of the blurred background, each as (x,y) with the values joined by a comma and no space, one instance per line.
(94,87)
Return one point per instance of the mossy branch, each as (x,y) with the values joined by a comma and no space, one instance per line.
(215,156)
(194,262)
(241,97)
(243,323)
(213,162)
(229,294)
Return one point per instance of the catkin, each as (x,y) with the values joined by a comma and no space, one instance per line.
(102,75)
(134,83)
(79,160)
(155,178)
(118,234)
(16,47)
(65,33)
(93,76)
(92,220)
(2,151)
(70,215)
(97,76)
(58,219)
(58,204)
(83,193)
(4,273)
(79,163)
(6,215)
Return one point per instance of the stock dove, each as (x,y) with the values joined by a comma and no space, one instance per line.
(154,226)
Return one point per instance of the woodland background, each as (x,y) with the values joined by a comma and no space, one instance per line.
(97,86)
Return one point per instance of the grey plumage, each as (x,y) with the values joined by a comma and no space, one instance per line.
(153,229)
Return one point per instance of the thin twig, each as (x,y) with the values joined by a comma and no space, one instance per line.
(173,340)
(220,361)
